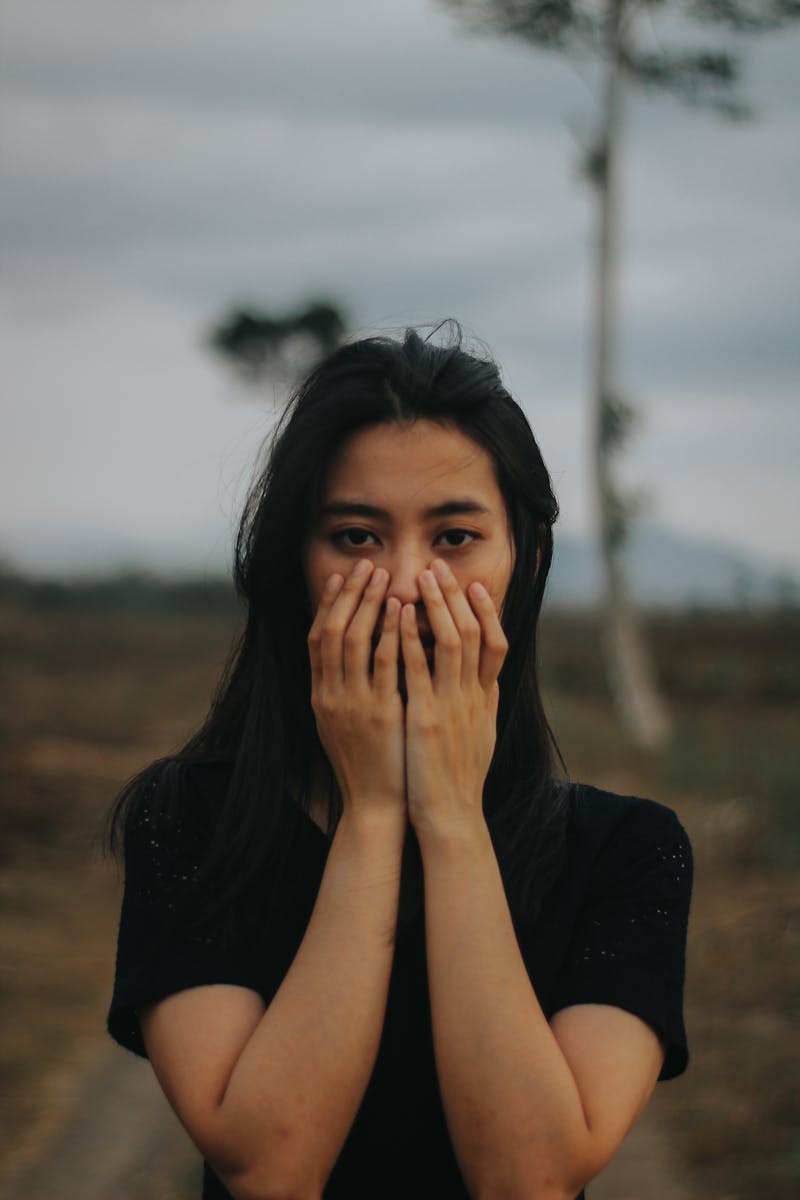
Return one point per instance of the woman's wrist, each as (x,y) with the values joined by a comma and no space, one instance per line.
(442,836)
(373,822)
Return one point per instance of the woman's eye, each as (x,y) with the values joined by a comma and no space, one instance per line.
(455,537)
(352,537)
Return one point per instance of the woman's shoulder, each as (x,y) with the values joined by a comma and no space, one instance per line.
(598,812)
(612,828)
(175,796)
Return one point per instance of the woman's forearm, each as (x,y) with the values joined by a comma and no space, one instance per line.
(299,1081)
(512,1104)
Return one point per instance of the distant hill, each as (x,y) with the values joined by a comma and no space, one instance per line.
(671,570)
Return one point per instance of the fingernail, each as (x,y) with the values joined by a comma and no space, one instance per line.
(428,578)
(361,567)
(478,591)
(441,568)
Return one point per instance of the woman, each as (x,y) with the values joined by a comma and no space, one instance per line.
(370,943)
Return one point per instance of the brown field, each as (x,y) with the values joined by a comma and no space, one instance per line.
(86,699)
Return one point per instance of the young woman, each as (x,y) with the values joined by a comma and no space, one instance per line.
(370,942)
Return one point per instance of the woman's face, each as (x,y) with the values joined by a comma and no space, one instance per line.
(404,495)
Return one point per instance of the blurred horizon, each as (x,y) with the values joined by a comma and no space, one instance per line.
(665,571)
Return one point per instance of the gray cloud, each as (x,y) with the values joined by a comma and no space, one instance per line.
(167,159)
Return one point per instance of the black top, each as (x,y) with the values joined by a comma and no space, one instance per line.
(612,930)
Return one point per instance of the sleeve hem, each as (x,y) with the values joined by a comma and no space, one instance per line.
(131,995)
(643,1000)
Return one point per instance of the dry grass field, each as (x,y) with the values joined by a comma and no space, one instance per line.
(87,698)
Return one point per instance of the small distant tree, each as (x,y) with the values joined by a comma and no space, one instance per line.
(284,345)
(606,31)
(785,591)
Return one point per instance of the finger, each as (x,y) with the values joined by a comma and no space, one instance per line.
(338,619)
(447,652)
(387,650)
(358,635)
(418,676)
(494,645)
(329,594)
(467,624)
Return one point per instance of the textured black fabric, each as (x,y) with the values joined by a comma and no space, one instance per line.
(611,931)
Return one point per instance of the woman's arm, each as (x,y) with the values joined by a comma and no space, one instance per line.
(534,1111)
(269,1096)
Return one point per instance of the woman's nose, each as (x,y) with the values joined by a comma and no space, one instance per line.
(404,571)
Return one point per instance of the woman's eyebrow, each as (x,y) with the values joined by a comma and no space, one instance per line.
(355,508)
(454,508)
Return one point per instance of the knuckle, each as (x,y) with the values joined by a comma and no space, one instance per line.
(379,719)
(428,723)
(353,638)
(498,642)
(332,630)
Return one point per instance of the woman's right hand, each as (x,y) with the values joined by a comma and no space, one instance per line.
(269,1092)
(359,713)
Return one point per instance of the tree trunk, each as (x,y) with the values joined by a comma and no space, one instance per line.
(630,674)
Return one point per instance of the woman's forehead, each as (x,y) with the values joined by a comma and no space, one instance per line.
(424,463)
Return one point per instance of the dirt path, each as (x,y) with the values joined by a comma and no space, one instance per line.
(121,1142)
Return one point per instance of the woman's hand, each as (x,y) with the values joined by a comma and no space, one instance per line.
(451,716)
(359,713)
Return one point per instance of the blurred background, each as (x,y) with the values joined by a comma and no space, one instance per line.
(197,200)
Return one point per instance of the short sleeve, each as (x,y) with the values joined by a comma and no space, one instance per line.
(629,945)
(161,949)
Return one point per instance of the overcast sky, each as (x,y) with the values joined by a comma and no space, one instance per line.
(163,160)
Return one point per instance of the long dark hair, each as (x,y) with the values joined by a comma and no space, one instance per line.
(261,719)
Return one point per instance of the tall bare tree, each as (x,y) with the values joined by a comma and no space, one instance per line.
(605,30)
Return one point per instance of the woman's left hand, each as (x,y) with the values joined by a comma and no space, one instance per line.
(451,714)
